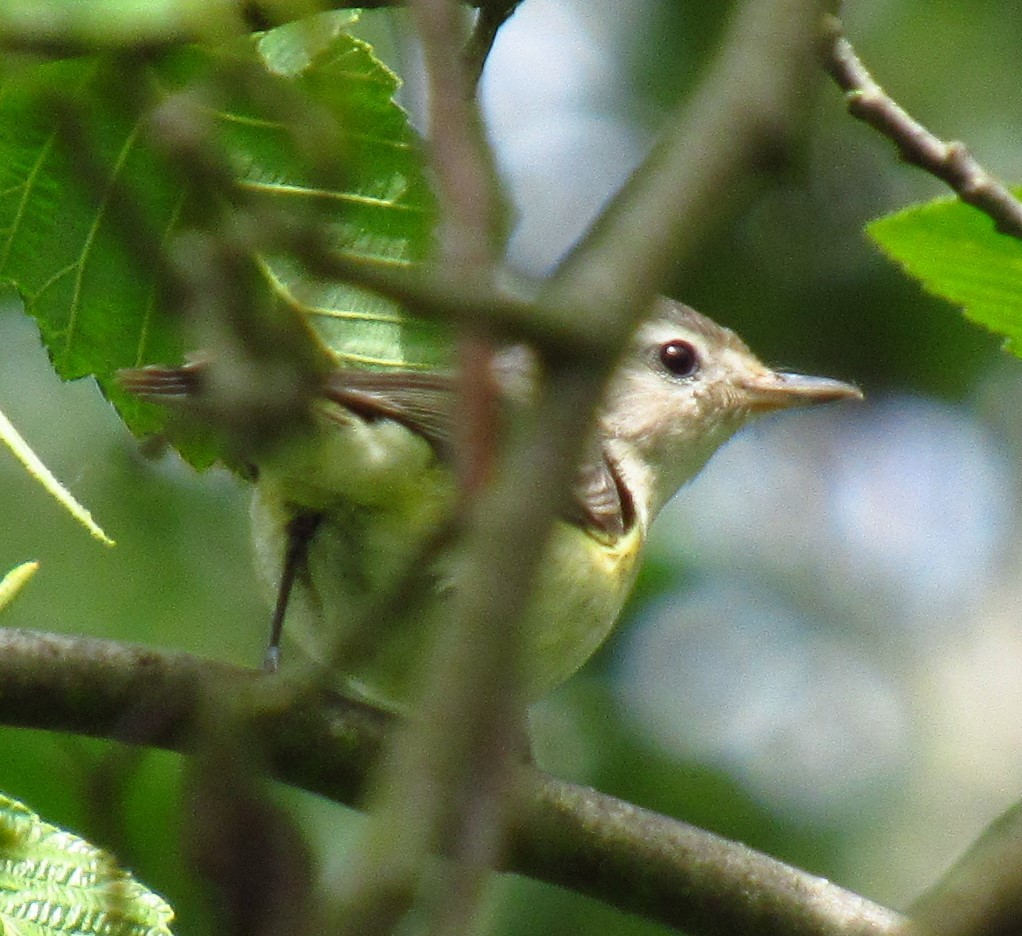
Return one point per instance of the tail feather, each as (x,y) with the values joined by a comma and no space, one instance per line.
(162,384)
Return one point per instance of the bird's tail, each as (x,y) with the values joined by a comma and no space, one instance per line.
(160,384)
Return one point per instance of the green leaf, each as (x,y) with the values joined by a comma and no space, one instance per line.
(53,882)
(954,251)
(383,212)
(304,119)
(61,246)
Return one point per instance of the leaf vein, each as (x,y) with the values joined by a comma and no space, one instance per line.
(91,235)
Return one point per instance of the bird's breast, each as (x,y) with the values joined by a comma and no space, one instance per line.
(382,496)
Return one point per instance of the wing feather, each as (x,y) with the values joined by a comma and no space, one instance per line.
(425,404)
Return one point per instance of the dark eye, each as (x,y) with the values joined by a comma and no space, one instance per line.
(679,358)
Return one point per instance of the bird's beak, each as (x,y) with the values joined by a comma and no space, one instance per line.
(772,390)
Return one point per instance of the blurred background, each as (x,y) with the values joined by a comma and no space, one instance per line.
(822,658)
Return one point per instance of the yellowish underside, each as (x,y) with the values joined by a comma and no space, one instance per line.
(383,495)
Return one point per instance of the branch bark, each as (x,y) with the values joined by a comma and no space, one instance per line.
(563,834)
(951,162)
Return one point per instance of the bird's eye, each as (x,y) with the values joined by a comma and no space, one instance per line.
(679,358)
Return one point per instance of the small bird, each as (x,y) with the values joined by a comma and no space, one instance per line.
(348,518)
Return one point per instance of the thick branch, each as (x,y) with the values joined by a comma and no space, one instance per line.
(675,873)
(563,834)
(950,162)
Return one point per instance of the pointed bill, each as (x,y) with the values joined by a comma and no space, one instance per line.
(773,390)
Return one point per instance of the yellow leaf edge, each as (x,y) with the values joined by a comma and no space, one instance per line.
(21,450)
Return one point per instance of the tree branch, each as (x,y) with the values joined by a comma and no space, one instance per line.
(675,873)
(563,834)
(982,893)
(952,162)
(491,17)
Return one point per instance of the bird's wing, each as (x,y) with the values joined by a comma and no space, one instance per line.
(599,501)
(425,404)
(421,402)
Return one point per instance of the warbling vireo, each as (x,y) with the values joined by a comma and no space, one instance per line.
(345,513)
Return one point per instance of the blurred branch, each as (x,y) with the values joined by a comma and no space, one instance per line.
(952,162)
(490,18)
(982,893)
(563,834)
(609,282)
(432,292)
(447,771)
(469,230)
(64,30)
(742,118)
(461,159)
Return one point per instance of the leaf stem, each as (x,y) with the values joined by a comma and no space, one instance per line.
(33,464)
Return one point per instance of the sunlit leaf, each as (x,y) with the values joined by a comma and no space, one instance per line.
(955,253)
(12,439)
(53,882)
(383,209)
(14,581)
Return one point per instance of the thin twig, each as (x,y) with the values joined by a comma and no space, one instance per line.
(563,834)
(950,162)
(490,18)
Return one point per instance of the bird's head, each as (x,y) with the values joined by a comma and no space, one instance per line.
(683,389)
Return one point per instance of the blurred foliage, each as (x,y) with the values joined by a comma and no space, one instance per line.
(794,275)
(54,880)
(96,197)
